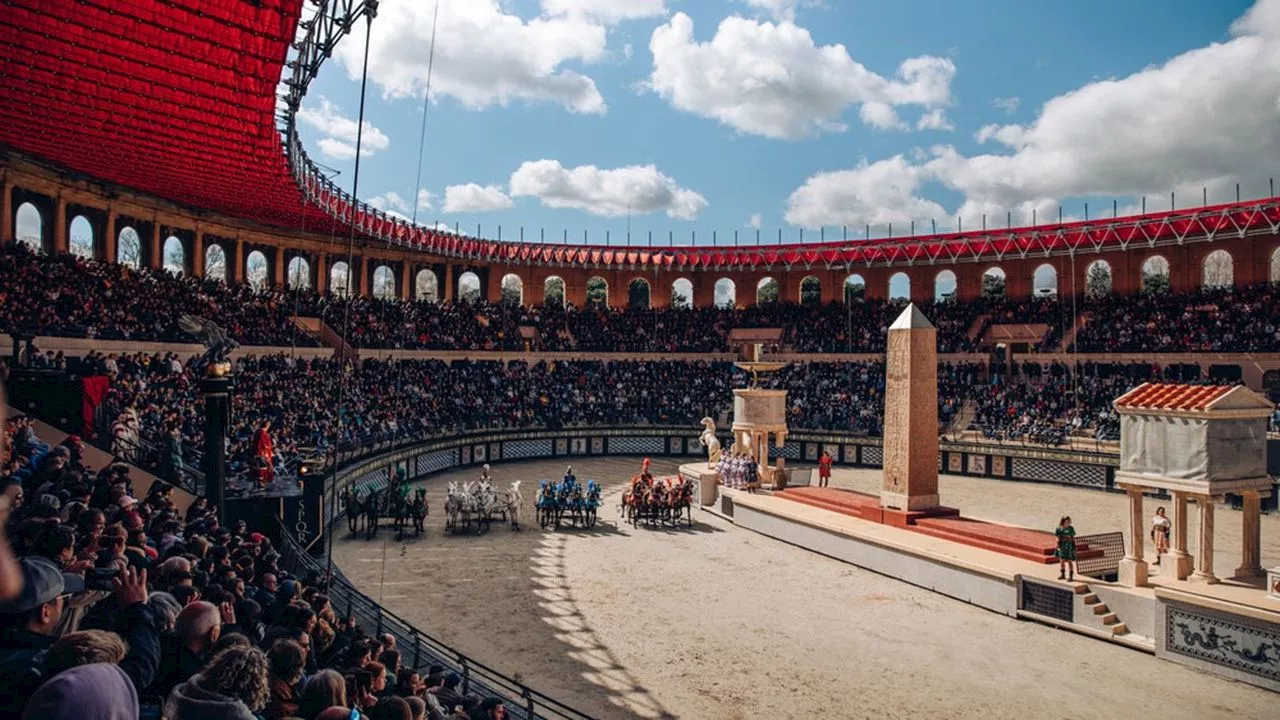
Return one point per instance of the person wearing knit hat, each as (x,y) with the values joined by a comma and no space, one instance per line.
(99,691)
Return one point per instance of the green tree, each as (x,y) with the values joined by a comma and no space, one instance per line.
(1098,284)
(767,292)
(597,291)
(992,286)
(1155,283)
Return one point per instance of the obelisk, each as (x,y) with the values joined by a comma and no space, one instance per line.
(911,414)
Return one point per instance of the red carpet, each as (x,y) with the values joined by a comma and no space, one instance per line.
(944,523)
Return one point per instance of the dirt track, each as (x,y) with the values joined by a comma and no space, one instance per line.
(716,622)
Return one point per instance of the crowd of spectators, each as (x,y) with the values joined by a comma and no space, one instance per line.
(127,606)
(1245,319)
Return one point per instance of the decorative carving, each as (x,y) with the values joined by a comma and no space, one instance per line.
(709,441)
(1222,641)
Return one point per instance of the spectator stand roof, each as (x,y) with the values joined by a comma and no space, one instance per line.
(177,99)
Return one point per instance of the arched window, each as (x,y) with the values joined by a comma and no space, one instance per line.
(384,283)
(81,237)
(299,273)
(426,286)
(944,286)
(255,267)
(29,228)
(855,289)
(1155,275)
(175,255)
(1097,279)
(553,291)
(129,247)
(766,291)
(340,279)
(1274,272)
(811,291)
(638,294)
(215,263)
(1219,269)
(512,290)
(1045,281)
(993,283)
(469,287)
(726,293)
(682,293)
(899,287)
(597,292)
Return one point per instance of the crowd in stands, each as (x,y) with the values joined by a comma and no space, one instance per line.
(1243,319)
(122,605)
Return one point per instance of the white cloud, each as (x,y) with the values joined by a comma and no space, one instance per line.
(638,189)
(878,193)
(881,116)
(473,198)
(781,9)
(1205,118)
(606,11)
(1008,104)
(485,55)
(338,131)
(771,79)
(392,201)
(755,221)
(935,119)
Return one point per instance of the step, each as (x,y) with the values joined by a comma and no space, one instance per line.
(1101,609)
(1090,599)
(1020,553)
(1109,618)
(863,511)
(1119,629)
(1081,589)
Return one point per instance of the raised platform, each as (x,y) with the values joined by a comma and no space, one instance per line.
(945,523)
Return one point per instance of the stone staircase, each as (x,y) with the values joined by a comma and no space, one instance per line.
(979,326)
(1091,612)
(1069,336)
(962,419)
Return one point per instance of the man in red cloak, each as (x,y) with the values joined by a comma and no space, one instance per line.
(265,453)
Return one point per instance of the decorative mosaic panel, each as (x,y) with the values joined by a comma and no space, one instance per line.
(1048,600)
(873,455)
(597,446)
(578,446)
(850,455)
(998,465)
(479,453)
(831,449)
(513,449)
(978,464)
(630,445)
(811,452)
(428,463)
(675,446)
(466,454)
(1094,476)
(790,451)
(693,445)
(1228,641)
(495,451)
(562,446)
(955,462)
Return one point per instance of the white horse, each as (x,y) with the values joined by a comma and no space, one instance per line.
(709,441)
(514,501)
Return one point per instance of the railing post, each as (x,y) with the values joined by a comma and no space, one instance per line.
(379,630)
(530,711)
(417,650)
(466,674)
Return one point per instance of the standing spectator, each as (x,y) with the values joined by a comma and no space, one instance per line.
(824,469)
(1160,526)
(1066,552)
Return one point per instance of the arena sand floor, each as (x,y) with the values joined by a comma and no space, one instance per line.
(717,622)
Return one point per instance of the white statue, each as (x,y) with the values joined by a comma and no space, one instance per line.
(709,441)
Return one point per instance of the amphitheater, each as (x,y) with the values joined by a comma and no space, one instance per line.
(195,304)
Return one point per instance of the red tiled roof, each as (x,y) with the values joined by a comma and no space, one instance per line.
(1156,396)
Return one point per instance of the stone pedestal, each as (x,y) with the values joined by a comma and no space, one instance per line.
(758,414)
(911,414)
(706,478)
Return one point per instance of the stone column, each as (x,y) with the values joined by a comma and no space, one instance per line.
(60,227)
(404,281)
(364,265)
(279,274)
(1133,568)
(1178,555)
(1204,573)
(1251,536)
(235,263)
(197,253)
(154,259)
(6,212)
(109,238)
(911,414)
(322,272)
(446,293)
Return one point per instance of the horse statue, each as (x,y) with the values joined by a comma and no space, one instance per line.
(709,441)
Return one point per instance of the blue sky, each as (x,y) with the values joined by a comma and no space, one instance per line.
(754,118)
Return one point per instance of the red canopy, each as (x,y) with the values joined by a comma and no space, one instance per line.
(177,99)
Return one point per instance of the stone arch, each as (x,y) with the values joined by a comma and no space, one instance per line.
(682,293)
(28,227)
(995,284)
(1219,269)
(638,294)
(340,279)
(944,286)
(174,255)
(1097,279)
(766,291)
(900,286)
(855,288)
(255,270)
(129,247)
(80,237)
(426,286)
(1273,270)
(469,287)
(1155,274)
(726,293)
(384,283)
(1044,281)
(553,291)
(597,291)
(811,291)
(299,273)
(215,262)
(512,290)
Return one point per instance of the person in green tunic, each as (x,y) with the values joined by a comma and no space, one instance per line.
(1066,548)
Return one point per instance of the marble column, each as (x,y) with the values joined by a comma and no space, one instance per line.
(1204,571)
(1178,557)
(1133,568)
(1251,536)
